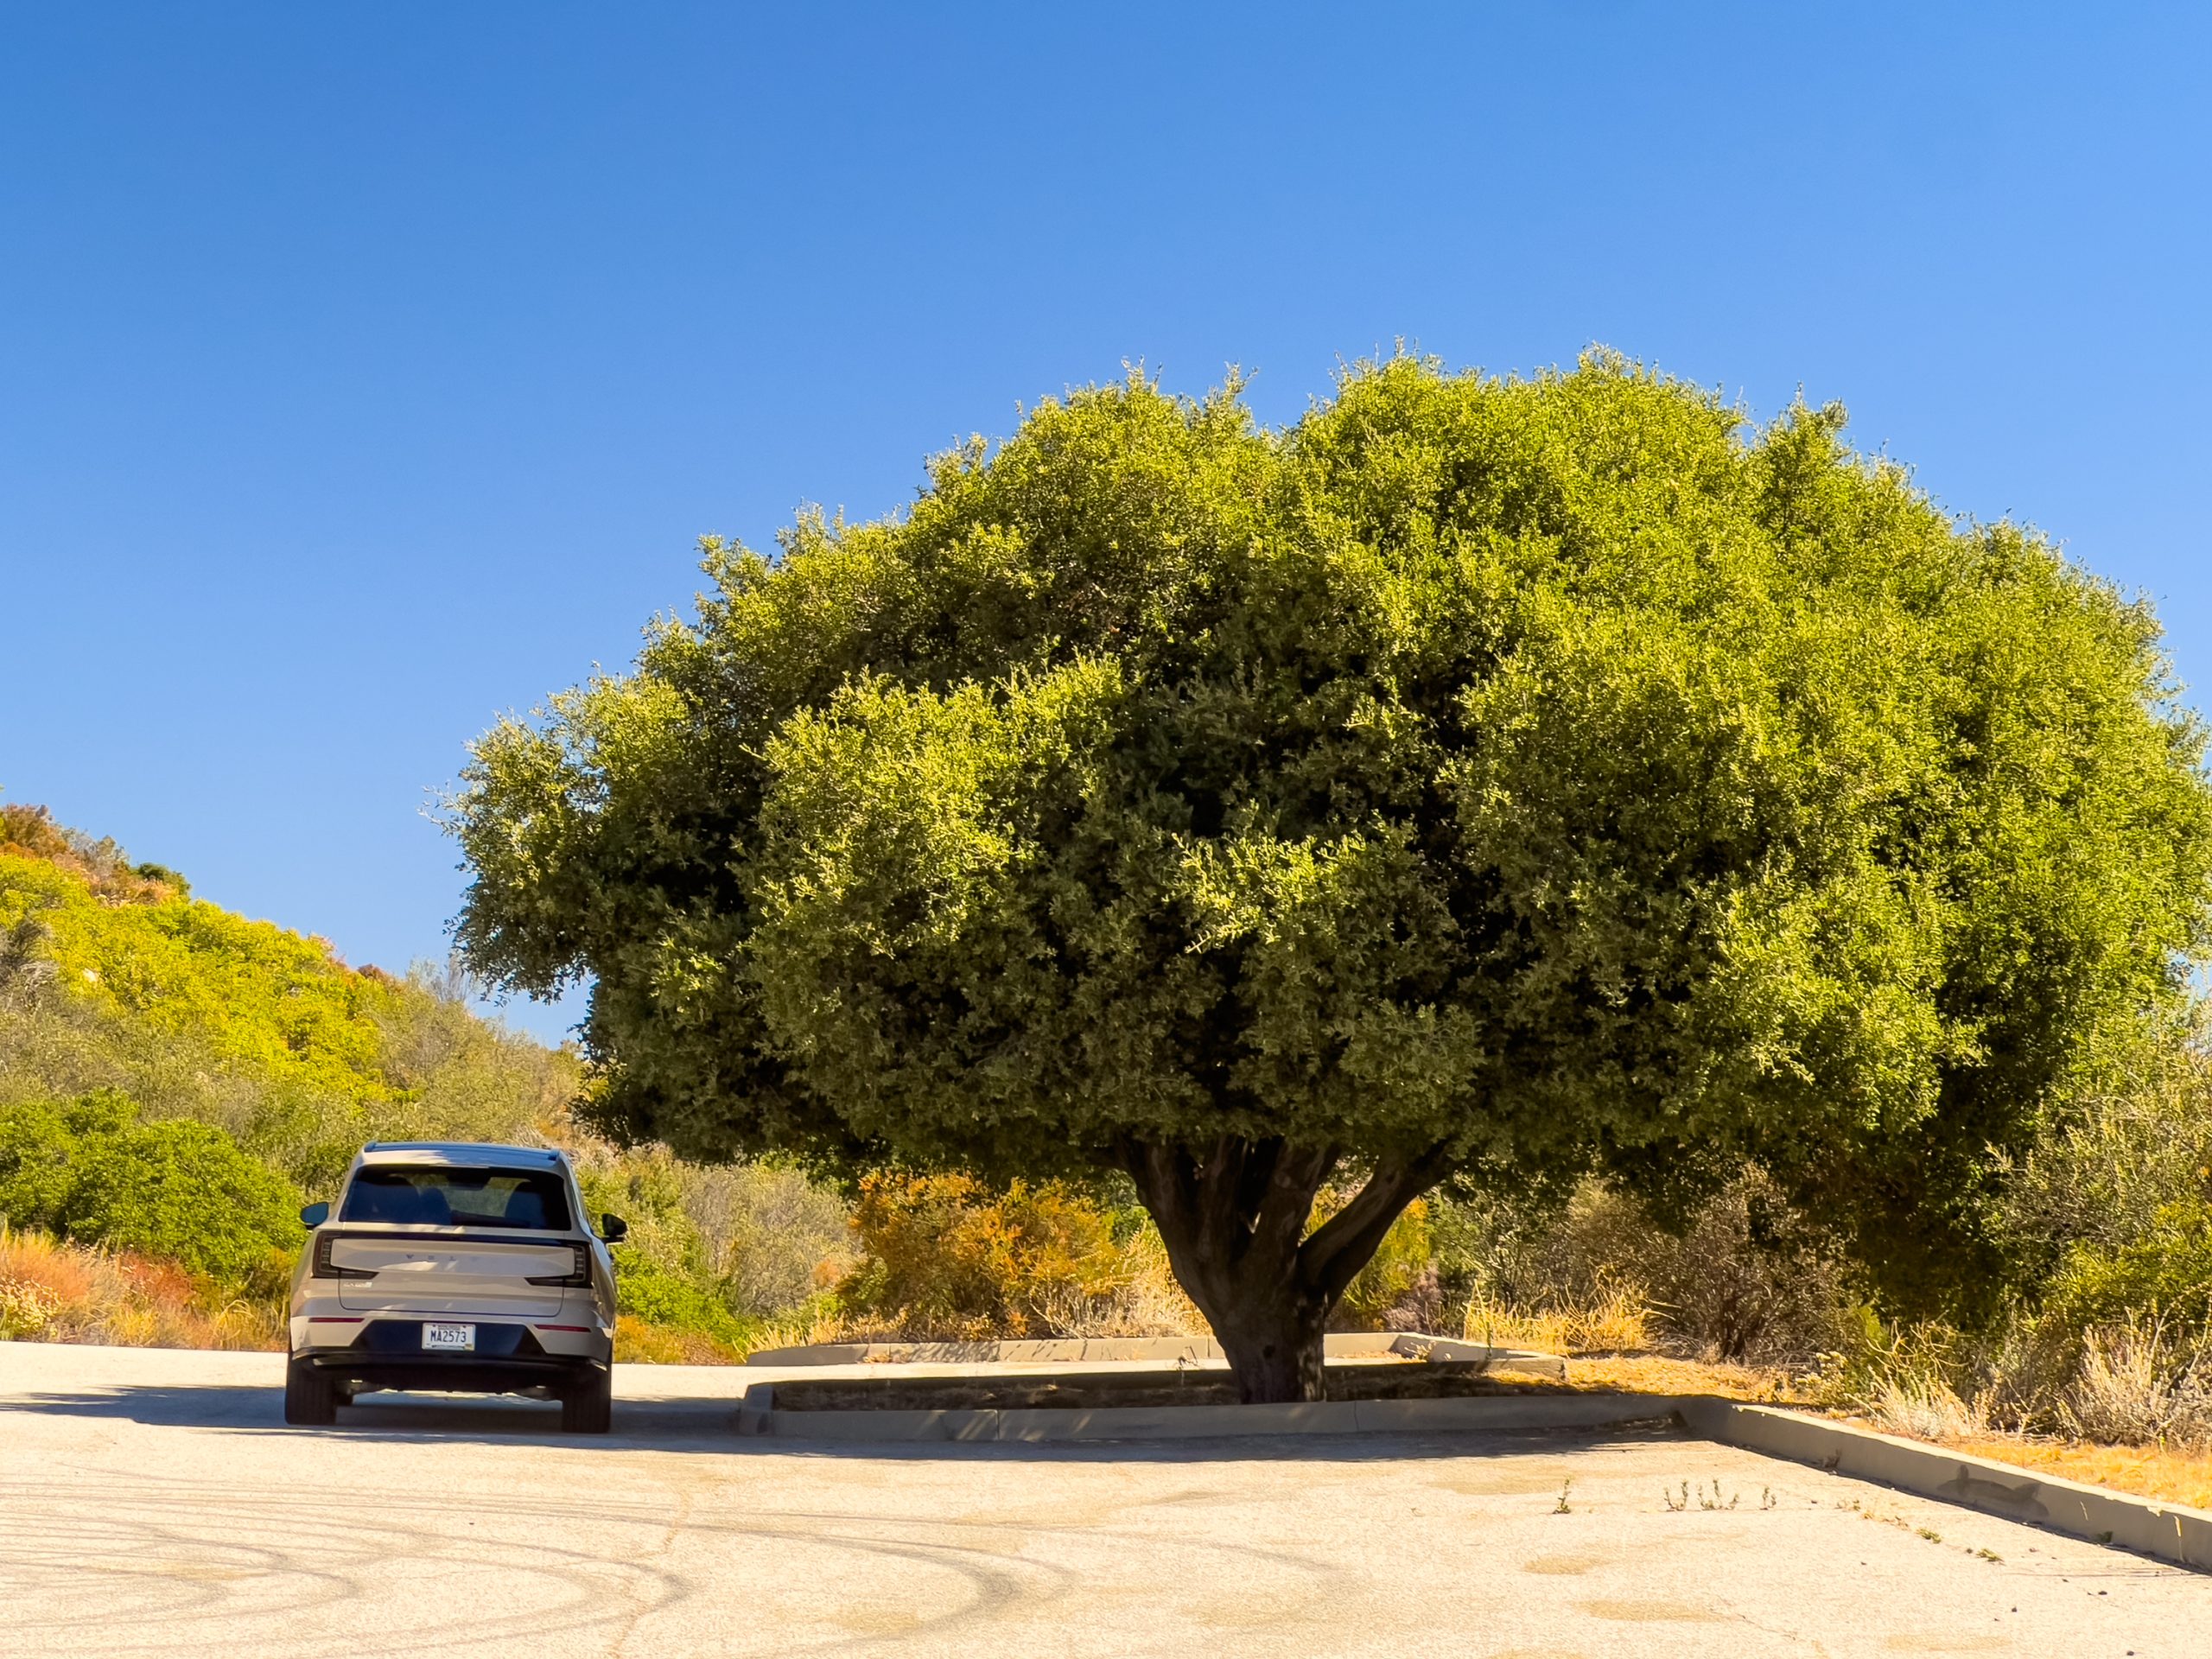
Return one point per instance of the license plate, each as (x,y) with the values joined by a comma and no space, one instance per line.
(449,1339)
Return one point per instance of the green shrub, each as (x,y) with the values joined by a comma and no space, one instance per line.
(2164,1273)
(36,1174)
(662,1295)
(180,1190)
(663,1275)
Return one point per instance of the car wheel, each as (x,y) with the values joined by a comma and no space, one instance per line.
(310,1396)
(588,1407)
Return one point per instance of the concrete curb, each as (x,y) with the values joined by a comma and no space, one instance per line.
(1166,1350)
(2169,1532)
(756,1414)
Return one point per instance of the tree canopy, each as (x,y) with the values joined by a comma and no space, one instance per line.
(1497,780)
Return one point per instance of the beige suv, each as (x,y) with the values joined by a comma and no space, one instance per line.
(453,1266)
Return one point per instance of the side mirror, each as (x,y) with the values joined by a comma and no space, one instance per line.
(314,1215)
(613,1229)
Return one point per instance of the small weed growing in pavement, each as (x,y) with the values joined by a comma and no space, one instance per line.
(1679,1499)
(1563,1506)
(1989,1555)
(1929,1534)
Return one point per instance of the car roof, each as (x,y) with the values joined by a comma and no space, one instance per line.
(470,1153)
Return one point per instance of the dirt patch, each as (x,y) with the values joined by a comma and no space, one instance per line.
(1090,1391)
(1652,1612)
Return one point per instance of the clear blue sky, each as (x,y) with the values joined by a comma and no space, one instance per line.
(368,370)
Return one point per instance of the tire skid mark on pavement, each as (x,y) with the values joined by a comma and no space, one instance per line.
(284,1552)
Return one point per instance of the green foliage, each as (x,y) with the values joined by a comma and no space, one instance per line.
(259,997)
(661,1294)
(36,1176)
(2166,1271)
(664,1273)
(1516,779)
(182,1192)
(2113,1206)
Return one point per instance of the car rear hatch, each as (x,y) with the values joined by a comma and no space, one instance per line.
(422,1274)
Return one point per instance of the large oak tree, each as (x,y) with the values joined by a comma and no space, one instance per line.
(1490,780)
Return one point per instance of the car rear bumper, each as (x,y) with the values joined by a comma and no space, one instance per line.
(387,1353)
(458,1373)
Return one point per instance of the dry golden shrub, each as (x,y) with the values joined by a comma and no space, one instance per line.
(637,1343)
(2133,1389)
(944,1256)
(1614,1319)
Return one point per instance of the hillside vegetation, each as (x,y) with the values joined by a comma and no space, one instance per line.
(176,1080)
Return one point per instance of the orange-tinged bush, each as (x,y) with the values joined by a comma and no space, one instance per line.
(51,1291)
(1397,1289)
(944,1256)
(637,1343)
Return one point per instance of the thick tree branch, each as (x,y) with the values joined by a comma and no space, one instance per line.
(1288,1202)
(1336,1251)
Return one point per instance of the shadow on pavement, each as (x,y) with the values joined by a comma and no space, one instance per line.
(710,1424)
(677,1425)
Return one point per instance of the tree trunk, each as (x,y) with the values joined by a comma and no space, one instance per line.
(1234,1223)
(1275,1352)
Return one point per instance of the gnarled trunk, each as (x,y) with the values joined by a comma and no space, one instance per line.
(1234,1223)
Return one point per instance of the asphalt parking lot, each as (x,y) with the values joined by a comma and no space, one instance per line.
(152,1501)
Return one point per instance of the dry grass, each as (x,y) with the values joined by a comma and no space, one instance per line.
(1618,1322)
(1145,1301)
(1663,1374)
(2166,1473)
(1922,1409)
(51,1291)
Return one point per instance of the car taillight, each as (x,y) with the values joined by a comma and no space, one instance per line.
(326,1268)
(578,1274)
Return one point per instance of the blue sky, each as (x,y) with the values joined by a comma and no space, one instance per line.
(368,370)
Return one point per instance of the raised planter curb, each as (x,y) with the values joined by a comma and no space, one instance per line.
(757,1414)
(1166,1350)
(2169,1532)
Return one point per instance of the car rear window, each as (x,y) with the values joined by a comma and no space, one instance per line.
(440,1196)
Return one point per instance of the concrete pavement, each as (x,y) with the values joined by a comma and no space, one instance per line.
(152,1501)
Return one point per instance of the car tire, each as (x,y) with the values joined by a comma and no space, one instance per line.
(311,1395)
(588,1407)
